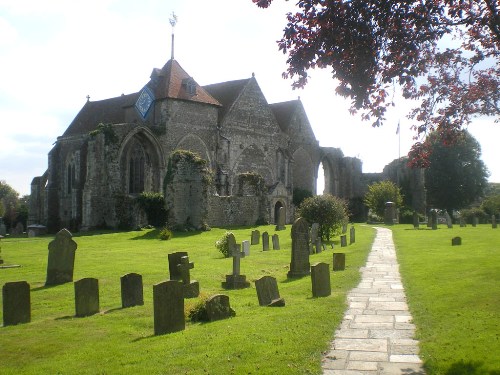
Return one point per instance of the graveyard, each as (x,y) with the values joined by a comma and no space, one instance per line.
(452,292)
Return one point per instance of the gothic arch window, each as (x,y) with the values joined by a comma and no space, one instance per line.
(136,165)
(70,177)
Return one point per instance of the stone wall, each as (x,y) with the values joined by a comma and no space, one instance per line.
(236,210)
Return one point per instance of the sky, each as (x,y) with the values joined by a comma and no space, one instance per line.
(53,53)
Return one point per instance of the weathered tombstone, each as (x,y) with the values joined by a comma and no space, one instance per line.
(16,303)
(281,219)
(245,247)
(265,241)
(3,228)
(131,290)
(389,213)
(61,262)
(267,292)
(449,222)
(191,288)
(456,241)
(475,221)
(314,232)
(344,228)
(338,261)
(343,240)
(86,297)
(318,245)
(235,280)
(168,306)
(255,237)
(493,221)
(462,222)
(35,230)
(174,259)
(276,242)
(352,235)
(218,308)
(320,277)
(300,265)
(434,219)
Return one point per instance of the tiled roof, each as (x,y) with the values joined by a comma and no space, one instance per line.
(227,92)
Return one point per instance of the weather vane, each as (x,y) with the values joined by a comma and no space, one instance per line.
(173,22)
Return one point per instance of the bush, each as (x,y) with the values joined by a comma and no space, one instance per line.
(299,195)
(328,211)
(222,244)
(154,206)
(166,234)
(381,192)
(469,213)
(198,313)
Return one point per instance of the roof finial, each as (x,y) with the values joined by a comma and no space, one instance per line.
(88,98)
(173,22)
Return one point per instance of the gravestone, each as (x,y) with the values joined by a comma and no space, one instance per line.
(255,237)
(281,219)
(314,232)
(434,220)
(416,222)
(231,243)
(3,228)
(344,228)
(300,265)
(276,242)
(449,222)
(218,308)
(18,230)
(338,261)
(235,280)
(462,222)
(343,240)
(61,262)
(16,303)
(475,221)
(245,247)
(318,246)
(352,235)
(493,221)
(168,306)
(389,213)
(267,292)
(456,241)
(174,259)
(131,290)
(86,297)
(320,277)
(35,230)
(191,288)
(265,241)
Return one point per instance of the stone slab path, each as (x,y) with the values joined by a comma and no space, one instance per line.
(376,334)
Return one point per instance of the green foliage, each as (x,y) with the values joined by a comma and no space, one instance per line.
(491,205)
(154,206)
(469,213)
(123,209)
(12,208)
(379,193)
(198,312)
(190,157)
(222,244)
(253,179)
(110,136)
(328,211)
(299,195)
(166,234)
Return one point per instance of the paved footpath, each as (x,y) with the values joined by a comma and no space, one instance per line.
(376,335)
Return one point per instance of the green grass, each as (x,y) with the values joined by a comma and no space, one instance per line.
(259,340)
(454,296)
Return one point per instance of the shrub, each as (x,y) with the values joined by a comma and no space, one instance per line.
(299,195)
(154,206)
(198,313)
(381,192)
(469,213)
(222,244)
(166,234)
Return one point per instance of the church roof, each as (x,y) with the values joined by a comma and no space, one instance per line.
(227,92)
(283,112)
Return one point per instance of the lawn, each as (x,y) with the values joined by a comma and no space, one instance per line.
(258,340)
(454,296)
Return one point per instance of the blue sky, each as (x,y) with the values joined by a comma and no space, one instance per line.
(54,53)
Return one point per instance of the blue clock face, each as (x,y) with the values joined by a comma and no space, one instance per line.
(144,102)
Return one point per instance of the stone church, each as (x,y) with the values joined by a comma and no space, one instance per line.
(117,148)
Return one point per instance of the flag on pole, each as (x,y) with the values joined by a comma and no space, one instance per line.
(397,130)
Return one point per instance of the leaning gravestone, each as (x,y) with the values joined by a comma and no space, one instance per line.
(281,219)
(218,308)
(86,297)
(300,265)
(449,222)
(320,277)
(265,241)
(255,237)
(352,235)
(16,303)
(61,262)
(174,259)
(343,240)
(267,292)
(416,222)
(131,290)
(168,306)
(456,241)
(191,288)
(276,242)
(338,261)
(235,280)
(245,247)
(493,221)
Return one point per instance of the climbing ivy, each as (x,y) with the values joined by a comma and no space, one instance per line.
(110,136)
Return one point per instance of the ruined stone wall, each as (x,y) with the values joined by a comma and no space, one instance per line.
(235,210)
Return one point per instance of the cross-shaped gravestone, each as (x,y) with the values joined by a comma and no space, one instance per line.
(191,288)
(235,280)
(237,255)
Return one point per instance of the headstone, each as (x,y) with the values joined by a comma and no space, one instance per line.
(265,241)
(281,218)
(434,219)
(343,240)
(16,303)
(61,262)
(245,247)
(352,235)
(35,230)
(320,277)
(235,280)
(218,308)
(344,228)
(86,297)
(389,213)
(174,259)
(168,306)
(456,241)
(300,265)
(3,228)
(462,222)
(318,245)
(493,221)
(314,232)
(449,222)
(416,222)
(231,243)
(255,237)
(132,290)
(276,242)
(475,221)
(191,288)
(338,261)
(267,292)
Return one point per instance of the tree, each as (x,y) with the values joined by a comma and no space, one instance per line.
(456,176)
(379,193)
(328,211)
(371,46)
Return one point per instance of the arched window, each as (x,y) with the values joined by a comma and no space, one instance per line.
(70,178)
(136,170)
